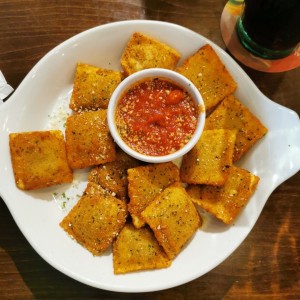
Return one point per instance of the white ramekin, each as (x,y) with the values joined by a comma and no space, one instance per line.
(178,79)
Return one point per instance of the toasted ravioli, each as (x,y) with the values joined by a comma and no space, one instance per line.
(173,218)
(227,201)
(210,159)
(39,159)
(232,114)
(144,183)
(205,69)
(137,249)
(144,52)
(113,175)
(96,219)
(88,140)
(93,87)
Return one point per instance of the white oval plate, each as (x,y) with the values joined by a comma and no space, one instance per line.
(40,102)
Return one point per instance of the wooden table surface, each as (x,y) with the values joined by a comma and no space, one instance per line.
(265,266)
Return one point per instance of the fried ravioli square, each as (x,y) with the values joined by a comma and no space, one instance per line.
(208,73)
(210,159)
(113,175)
(137,249)
(232,114)
(93,87)
(96,219)
(144,183)
(173,218)
(39,159)
(144,52)
(227,201)
(88,140)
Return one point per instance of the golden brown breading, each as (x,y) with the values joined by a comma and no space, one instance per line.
(227,201)
(96,219)
(93,87)
(39,159)
(88,140)
(113,175)
(210,159)
(173,218)
(232,114)
(144,52)
(137,249)
(208,73)
(144,183)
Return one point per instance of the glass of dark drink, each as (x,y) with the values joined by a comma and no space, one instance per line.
(270,28)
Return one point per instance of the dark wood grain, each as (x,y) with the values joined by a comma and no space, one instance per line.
(265,266)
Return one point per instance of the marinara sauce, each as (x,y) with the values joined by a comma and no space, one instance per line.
(156,117)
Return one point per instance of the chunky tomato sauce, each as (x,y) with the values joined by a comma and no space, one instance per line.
(156,117)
